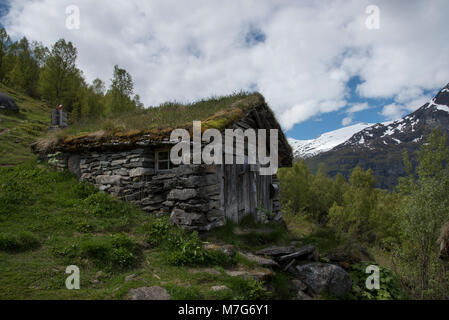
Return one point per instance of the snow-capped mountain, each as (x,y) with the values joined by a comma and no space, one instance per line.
(380,146)
(410,129)
(325,142)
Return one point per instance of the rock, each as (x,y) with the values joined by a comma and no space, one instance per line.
(181,194)
(8,103)
(300,295)
(104,187)
(219,288)
(203,207)
(117,162)
(227,249)
(320,277)
(256,275)
(303,252)
(206,270)
(183,218)
(276,251)
(137,172)
(105,179)
(299,285)
(261,261)
(73,165)
(130,277)
(149,293)
(211,190)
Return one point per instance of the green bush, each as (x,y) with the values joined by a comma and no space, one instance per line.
(188,250)
(182,247)
(158,231)
(389,284)
(247,289)
(23,241)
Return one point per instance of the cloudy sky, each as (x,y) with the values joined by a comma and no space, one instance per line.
(316,62)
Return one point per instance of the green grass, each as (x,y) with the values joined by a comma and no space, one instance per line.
(49,220)
(215,112)
(19,130)
(170,115)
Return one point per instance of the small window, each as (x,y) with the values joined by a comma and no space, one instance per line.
(163,162)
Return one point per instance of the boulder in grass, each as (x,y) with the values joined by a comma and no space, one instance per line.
(8,103)
(276,251)
(324,277)
(299,253)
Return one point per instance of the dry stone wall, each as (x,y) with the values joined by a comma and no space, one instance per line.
(190,194)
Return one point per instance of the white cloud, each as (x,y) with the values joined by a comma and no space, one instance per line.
(405,102)
(357,107)
(392,111)
(346,121)
(298,54)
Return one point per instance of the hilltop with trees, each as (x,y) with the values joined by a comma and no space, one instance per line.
(52,75)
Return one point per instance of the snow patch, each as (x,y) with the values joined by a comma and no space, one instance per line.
(326,141)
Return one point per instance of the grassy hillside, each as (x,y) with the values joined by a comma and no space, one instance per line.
(19,130)
(48,221)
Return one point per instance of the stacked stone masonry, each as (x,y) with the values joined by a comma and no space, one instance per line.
(190,194)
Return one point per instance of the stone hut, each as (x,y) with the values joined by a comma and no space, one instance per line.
(135,166)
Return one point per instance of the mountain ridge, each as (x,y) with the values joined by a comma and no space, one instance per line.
(380,147)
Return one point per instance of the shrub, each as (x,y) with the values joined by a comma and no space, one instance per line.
(21,242)
(158,231)
(183,247)
(247,289)
(188,250)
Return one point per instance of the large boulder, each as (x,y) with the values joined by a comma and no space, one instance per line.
(7,103)
(261,261)
(298,253)
(275,251)
(324,277)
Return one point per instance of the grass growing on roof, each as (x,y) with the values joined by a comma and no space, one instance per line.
(158,122)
